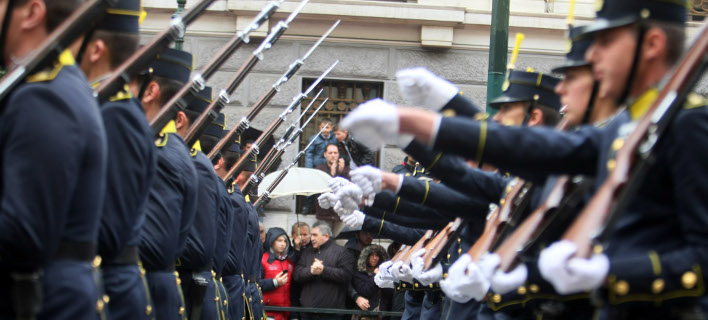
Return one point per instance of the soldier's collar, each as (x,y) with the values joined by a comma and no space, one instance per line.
(66,58)
(639,106)
(169,128)
(196,148)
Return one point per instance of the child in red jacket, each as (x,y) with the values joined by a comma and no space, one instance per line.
(277,272)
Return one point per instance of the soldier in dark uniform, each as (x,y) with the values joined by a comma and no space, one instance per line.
(225,218)
(131,165)
(652,267)
(53,171)
(195,263)
(254,249)
(233,271)
(172,204)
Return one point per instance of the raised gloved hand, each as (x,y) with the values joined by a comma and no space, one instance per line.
(572,275)
(402,272)
(327,200)
(385,270)
(422,88)
(349,199)
(337,183)
(505,282)
(368,178)
(381,282)
(354,220)
(425,277)
(465,281)
(373,123)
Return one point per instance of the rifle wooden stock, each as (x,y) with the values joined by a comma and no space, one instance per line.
(146,54)
(509,249)
(406,257)
(436,249)
(396,257)
(57,41)
(500,218)
(598,217)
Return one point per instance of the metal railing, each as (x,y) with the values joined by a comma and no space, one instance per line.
(335,311)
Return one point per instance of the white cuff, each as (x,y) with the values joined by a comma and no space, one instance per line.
(436,128)
(400,183)
(275,282)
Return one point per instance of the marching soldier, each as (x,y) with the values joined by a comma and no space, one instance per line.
(53,172)
(130,174)
(654,253)
(172,203)
(195,263)
(225,220)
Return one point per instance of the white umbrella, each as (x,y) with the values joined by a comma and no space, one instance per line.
(298,181)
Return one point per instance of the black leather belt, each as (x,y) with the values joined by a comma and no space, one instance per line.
(252,278)
(78,251)
(128,256)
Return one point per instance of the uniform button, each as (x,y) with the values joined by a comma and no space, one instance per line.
(250,299)
(611,164)
(216,299)
(597,249)
(459,251)
(99,306)
(213,274)
(533,288)
(148,310)
(521,290)
(622,287)
(142,272)
(501,202)
(96,262)
(106,298)
(496,298)
(403,285)
(431,285)
(415,285)
(444,275)
(448,256)
(617,144)
(226,303)
(688,280)
(657,286)
(181,310)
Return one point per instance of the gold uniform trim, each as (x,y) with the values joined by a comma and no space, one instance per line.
(427,191)
(65,59)
(482,141)
(435,161)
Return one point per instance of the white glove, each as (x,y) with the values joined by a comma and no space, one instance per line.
(385,270)
(337,183)
(368,178)
(382,283)
(402,272)
(349,199)
(503,282)
(373,123)
(425,277)
(354,220)
(422,88)
(327,200)
(572,275)
(465,281)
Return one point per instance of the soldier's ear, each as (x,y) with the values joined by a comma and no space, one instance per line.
(32,15)
(95,50)
(654,45)
(181,120)
(536,117)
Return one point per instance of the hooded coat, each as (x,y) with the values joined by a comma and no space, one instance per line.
(272,265)
(363,280)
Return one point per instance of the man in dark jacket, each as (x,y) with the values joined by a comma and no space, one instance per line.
(324,270)
(354,153)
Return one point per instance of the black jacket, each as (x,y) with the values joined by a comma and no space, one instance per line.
(350,150)
(329,289)
(363,281)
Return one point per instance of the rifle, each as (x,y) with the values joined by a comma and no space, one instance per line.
(198,127)
(57,41)
(178,102)
(501,217)
(636,155)
(404,249)
(406,257)
(438,247)
(279,148)
(238,166)
(245,122)
(265,197)
(141,59)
